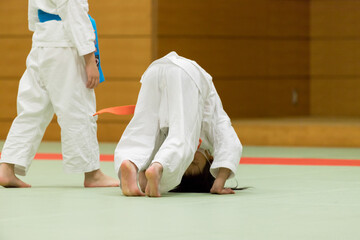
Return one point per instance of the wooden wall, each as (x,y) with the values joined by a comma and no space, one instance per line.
(335,58)
(260,52)
(126,51)
(15,44)
(125,32)
(256,50)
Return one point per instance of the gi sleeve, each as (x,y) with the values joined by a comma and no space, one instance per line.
(77,24)
(227,148)
(32,16)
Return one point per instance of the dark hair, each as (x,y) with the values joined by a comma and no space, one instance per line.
(200,183)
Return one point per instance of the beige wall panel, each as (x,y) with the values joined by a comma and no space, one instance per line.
(113,17)
(122,17)
(125,57)
(108,94)
(288,18)
(52,132)
(335,97)
(14,52)
(321,132)
(239,57)
(335,57)
(264,97)
(8,94)
(281,132)
(120,57)
(335,18)
(4,129)
(116,93)
(107,131)
(233,17)
(111,131)
(13,17)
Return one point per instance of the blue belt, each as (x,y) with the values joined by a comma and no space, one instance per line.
(44,17)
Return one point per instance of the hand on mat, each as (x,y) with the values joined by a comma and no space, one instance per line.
(92,72)
(221,190)
(219,183)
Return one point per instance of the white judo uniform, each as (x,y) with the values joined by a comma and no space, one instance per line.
(55,82)
(177,105)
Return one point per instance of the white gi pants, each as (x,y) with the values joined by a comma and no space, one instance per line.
(54,82)
(166,124)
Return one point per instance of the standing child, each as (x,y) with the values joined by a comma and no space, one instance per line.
(60,78)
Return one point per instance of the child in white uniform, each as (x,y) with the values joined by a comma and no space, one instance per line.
(177,105)
(60,77)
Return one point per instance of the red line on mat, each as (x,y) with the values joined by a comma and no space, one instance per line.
(299,161)
(244,160)
(58,156)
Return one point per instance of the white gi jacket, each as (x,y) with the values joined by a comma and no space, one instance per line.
(178,104)
(74,29)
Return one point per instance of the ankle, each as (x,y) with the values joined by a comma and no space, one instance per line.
(7,167)
(94,174)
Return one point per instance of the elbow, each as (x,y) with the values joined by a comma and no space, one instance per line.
(237,147)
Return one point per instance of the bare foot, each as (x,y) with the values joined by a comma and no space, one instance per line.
(8,178)
(153,175)
(98,179)
(128,179)
(142,180)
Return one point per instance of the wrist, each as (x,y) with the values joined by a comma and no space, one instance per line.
(219,183)
(221,178)
(89,58)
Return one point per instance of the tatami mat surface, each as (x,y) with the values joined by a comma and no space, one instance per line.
(285,202)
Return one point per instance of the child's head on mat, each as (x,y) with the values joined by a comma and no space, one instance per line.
(197,177)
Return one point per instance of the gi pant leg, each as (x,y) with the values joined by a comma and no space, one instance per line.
(54,81)
(166,124)
(141,135)
(74,105)
(184,113)
(34,113)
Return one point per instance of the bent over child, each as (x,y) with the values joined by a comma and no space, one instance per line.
(177,105)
